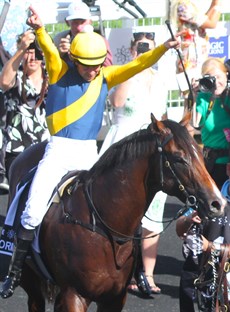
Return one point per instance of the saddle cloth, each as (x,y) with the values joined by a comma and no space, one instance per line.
(55,198)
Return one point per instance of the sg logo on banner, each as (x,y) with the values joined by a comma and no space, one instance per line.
(218,47)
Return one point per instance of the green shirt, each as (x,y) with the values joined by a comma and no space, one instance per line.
(213,124)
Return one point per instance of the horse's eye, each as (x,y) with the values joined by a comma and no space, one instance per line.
(181,160)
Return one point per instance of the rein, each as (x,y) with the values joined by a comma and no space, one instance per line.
(191,201)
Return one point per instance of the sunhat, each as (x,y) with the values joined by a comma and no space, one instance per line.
(78,10)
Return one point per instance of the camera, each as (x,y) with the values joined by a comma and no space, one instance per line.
(33,46)
(142,47)
(207,83)
(38,54)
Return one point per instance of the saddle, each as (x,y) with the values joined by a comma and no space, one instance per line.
(13,218)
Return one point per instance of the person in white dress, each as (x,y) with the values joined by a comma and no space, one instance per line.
(134,101)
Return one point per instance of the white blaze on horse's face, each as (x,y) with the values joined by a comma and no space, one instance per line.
(196,154)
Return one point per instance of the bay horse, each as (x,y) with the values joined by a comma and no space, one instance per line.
(87,239)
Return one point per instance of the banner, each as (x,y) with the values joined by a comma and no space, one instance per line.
(219,47)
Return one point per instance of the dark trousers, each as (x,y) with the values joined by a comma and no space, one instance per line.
(10,157)
(187,291)
(219,175)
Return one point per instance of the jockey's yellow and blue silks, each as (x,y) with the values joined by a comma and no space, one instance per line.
(81,117)
(74,107)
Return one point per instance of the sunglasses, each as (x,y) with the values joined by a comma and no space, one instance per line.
(140,35)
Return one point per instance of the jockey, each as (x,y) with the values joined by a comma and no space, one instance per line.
(74,111)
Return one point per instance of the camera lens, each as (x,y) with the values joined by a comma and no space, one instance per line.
(38,54)
(207,84)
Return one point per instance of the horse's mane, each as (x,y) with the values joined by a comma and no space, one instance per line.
(183,138)
(127,149)
(140,143)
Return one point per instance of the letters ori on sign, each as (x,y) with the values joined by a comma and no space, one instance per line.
(6,240)
(6,246)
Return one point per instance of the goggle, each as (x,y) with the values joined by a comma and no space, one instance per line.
(140,35)
(88,66)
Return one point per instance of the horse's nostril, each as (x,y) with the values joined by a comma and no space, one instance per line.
(216,205)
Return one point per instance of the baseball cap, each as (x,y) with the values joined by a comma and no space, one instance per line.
(78,10)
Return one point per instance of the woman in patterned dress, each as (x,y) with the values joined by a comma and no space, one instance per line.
(23,81)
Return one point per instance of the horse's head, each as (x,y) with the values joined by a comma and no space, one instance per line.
(182,170)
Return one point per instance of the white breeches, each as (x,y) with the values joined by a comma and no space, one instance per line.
(61,155)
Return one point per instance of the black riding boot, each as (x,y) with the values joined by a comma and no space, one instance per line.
(12,280)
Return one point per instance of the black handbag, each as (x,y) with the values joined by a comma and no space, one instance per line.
(211,155)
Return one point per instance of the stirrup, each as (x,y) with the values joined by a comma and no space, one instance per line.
(9,285)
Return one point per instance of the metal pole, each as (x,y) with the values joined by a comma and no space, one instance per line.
(121,5)
(4,12)
(133,3)
(190,98)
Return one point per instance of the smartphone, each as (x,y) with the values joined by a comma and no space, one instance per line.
(142,47)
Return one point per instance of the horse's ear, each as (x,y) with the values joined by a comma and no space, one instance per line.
(156,125)
(186,119)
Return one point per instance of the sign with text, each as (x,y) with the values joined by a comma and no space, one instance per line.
(219,47)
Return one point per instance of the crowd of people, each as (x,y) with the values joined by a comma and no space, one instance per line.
(35,108)
(211,109)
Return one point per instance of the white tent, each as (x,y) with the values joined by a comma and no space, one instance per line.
(53,11)
(111,10)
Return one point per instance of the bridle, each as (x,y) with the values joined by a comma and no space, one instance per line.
(191,201)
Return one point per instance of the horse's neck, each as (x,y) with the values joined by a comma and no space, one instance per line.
(122,195)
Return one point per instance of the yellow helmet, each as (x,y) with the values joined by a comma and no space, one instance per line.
(88,48)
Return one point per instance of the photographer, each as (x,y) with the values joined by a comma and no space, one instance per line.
(79,20)
(213,117)
(23,81)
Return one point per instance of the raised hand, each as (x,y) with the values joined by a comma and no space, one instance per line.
(64,45)
(173,42)
(34,20)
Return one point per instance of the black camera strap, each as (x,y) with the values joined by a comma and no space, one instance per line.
(225,96)
(210,107)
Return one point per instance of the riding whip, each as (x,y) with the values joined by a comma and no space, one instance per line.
(190,95)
